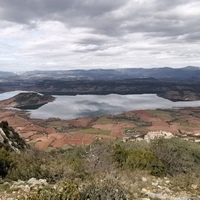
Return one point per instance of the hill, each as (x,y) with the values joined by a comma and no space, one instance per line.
(164,73)
(180,84)
(28,100)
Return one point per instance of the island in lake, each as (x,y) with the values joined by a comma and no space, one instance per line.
(28,100)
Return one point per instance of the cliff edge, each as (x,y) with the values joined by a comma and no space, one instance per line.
(11,140)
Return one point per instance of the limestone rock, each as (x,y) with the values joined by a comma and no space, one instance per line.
(157,134)
(194,186)
(10,139)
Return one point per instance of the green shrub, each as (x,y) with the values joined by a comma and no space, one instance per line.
(52,166)
(177,155)
(160,157)
(120,155)
(137,158)
(27,165)
(105,190)
(63,192)
(70,190)
(144,159)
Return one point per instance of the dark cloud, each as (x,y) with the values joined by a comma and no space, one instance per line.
(81,32)
(148,17)
(92,41)
(165,5)
(24,11)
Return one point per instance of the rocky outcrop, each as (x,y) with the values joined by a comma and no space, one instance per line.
(10,139)
(151,135)
(145,188)
(20,189)
(158,134)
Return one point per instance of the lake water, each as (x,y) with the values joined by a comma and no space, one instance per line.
(70,107)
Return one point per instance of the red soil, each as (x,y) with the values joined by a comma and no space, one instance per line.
(34,132)
(58,143)
(78,142)
(81,122)
(56,136)
(42,145)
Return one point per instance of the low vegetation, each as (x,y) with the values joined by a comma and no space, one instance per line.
(96,171)
(94,131)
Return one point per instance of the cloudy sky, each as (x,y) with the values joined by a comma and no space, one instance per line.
(71,34)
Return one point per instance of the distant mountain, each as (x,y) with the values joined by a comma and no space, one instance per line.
(165,73)
(6,74)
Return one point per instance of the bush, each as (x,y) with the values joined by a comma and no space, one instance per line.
(144,159)
(105,190)
(161,157)
(120,155)
(27,165)
(177,155)
(72,191)
(52,166)
(98,157)
(137,158)
(65,191)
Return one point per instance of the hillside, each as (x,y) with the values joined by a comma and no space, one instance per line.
(28,100)
(173,84)
(143,165)
(161,169)
(164,73)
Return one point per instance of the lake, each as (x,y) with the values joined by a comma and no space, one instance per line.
(70,107)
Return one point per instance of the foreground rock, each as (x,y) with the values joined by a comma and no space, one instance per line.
(10,139)
(144,188)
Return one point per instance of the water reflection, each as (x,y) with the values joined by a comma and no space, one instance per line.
(69,107)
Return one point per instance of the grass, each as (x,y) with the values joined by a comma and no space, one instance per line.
(94,131)
(103,120)
(139,129)
(158,112)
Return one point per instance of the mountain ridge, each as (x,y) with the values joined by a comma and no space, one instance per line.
(163,73)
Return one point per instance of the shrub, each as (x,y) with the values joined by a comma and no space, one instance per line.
(105,190)
(137,158)
(178,156)
(120,155)
(72,191)
(144,159)
(52,166)
(27,165)
(64,191)
(98,157)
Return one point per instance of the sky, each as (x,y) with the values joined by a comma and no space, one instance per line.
(86,34)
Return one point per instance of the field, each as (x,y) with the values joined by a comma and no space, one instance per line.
(57,133)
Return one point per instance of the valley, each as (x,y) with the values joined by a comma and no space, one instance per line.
(46,134)
(86,156)
(54,132)
(173,84)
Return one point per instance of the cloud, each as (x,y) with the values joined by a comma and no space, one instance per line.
(25,11)
(65,34)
